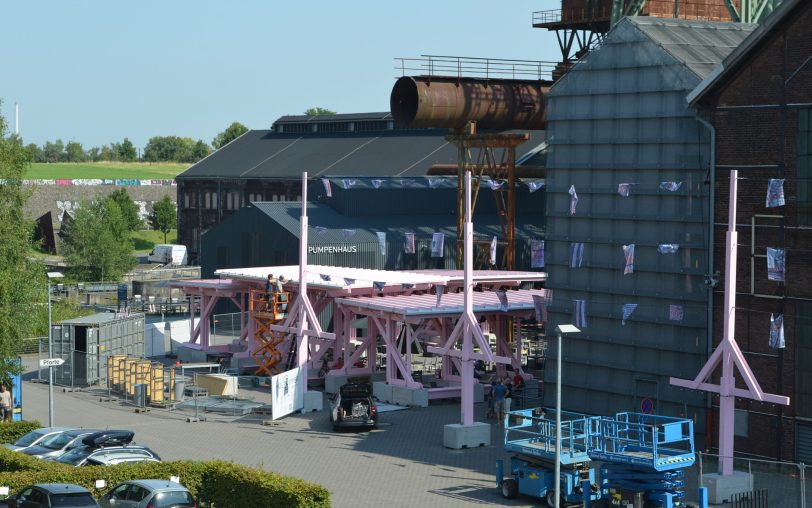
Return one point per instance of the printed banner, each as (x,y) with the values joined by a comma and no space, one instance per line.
(670,186)
(579,313)
(438,290)
(327,187)
(348,281)
(536,253)
(378,285)
(573,200)
(492,251)
(434,182)
(541,309)
(437,241)
(668,248)
(347,233)
(377,183)
(406,285)
(320,229)
(408,243)
(775,264)
(676,312)
(495,184)
(576,254)
(382,242)
(628,253)
(775,193)
(534,186)
(623,189)
(325,277)
(288,393)
(348,183)
(777,331)
(503,300)
(628,308)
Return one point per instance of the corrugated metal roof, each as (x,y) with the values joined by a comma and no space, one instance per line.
(338,117)
(93,319)
(700,45)
(267,154)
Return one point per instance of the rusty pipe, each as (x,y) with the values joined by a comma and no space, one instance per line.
(441,102)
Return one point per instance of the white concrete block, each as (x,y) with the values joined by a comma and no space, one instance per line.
(401,396)
(313,401)
(333,382)
(382,390)
(721,488)
(420,397)
(458,436)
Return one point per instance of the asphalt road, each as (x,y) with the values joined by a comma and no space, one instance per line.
(403,463)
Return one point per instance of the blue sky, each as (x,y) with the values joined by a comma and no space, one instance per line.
(96,71)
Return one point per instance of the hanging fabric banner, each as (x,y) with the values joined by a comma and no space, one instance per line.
(576,254)
(378,285)
(377,183)
(348,183)
(327,188)
(628,253)
(320,229)
(406,285)
(670,186)
(668,248)
(382,242)
(492,251)
(348,281)
(777,331)
(347,233)
(495,184)
(408,243)
(776,267)
(438,290)
(325,277)
(775,193)
(534,186)
(434,182)
(536,253)
(624,189)
(541,309)
(676,312)
(573,199)
(628,308)
(579,313)
(437,241)
(503,300)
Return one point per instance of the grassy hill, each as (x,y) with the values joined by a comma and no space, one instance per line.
(105,170)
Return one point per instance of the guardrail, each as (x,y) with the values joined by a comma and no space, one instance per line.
(471,67)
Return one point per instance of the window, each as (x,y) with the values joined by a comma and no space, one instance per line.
(207,202)
(214,200)
(186,200)
(803,360)
(804,169)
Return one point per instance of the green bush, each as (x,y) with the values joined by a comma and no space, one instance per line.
(213,483)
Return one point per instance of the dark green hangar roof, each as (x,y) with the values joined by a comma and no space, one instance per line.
(340,145)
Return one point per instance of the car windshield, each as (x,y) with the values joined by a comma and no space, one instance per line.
(72,500)
(30,438)
(57,441)
(74,456)
(173,498)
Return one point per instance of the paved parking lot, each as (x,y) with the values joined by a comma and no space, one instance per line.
(403,463)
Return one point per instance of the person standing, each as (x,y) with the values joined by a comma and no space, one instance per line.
(6,403)
(508,394)
(499,391)
(281,296)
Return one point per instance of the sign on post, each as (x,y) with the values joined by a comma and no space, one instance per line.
(51,362)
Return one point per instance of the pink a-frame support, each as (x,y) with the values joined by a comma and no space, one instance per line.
(728,354)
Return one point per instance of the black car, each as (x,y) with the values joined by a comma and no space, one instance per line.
(352,407)
(106,448)
(51,495)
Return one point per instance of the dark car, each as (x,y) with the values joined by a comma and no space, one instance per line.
(56,445)
(148,494)
(51,495)
(352,407)
(107,448)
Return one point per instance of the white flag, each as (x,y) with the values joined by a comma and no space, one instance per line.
(503,300)
(628,253)
(438,290)
(628,308)
(579,313)
(573,200)
(382,242)
(777,331)
(437,241)
(327,188)
(377,183)
(408,243)
(541,309)
(493,251)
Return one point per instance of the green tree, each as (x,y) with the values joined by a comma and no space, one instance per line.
(200,151)
(231,133)
(74,152)
(97,245)
(319,111)
(22,280)
(53,152)
(129,210)
(126,151)
(164,216)
(34,152)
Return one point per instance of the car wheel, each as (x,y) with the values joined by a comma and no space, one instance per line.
(510,488)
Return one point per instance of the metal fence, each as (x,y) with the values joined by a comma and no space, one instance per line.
(226,328)
(470,67)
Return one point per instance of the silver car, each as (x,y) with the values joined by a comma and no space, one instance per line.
(144,493)
(35,437)
(57,444)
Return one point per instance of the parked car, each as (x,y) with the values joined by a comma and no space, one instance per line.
(35,437)
(49,495)
(57,444)
(352,407)
(108,447)
(148,494)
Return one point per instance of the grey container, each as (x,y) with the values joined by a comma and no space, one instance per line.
(180,386)
(140,396)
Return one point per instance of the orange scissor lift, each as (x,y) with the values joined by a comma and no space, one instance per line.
(268,309)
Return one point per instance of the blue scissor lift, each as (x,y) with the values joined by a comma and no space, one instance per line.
(640,455)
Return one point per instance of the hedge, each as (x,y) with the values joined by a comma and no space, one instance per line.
(214,483)
(10,432)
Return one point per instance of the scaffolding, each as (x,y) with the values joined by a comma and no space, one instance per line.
(268,308)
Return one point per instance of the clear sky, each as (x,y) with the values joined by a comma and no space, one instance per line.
(97,71)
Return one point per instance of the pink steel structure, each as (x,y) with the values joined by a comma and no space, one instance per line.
(729,355)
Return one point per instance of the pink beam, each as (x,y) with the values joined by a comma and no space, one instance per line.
(202,328)
(387,331)
(729,354)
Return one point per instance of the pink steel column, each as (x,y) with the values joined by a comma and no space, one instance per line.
(467,371)
(301,339)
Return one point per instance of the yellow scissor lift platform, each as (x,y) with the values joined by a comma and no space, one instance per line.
(268,308)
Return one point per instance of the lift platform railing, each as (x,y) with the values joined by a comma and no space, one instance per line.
(654,442)
(272,305)
(533,432)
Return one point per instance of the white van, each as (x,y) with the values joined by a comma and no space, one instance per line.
(168,254)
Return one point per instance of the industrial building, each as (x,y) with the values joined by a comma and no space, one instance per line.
(627,216)
(266,165)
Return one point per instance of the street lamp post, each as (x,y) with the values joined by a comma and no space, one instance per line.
(51,275)
(561,329)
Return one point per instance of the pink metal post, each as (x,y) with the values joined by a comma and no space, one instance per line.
(467,372)
(729,354)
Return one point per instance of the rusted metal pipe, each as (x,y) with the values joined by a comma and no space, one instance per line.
(442,102)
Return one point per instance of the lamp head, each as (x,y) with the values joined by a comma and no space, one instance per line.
(563,329)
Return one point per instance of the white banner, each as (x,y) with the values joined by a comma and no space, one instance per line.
(287,392)
(437,241)
(382,242)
